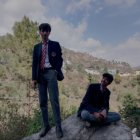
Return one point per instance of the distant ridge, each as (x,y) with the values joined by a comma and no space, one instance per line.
(89,61)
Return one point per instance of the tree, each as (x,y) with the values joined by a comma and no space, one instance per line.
(105,70)
(117,79)
(25,35)
(130,111)
(26,30)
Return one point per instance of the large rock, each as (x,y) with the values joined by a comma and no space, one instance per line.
(74,129)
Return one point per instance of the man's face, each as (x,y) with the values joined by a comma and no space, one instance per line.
(105,82)
(44,34)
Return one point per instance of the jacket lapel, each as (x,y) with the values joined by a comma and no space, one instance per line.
(39,50)
(49,48)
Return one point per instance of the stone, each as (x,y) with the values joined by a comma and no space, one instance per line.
(74,129)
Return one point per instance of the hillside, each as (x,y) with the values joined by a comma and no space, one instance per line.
(75,66)
(94,63)
(79,69)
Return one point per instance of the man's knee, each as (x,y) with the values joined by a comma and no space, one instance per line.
(118,116)
(84,114)
(114,116)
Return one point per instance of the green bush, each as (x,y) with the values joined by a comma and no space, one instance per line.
(34,123)
(17,126)
(117,79)
(130,112)
(138,79)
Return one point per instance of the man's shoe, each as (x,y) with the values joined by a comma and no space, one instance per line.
(59,132)
(44,131)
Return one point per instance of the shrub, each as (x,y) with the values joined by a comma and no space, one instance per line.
(117,79)
(130,112)
(138,79)
(13,125)
(34,123)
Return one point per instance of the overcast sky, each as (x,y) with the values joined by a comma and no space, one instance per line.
(107,29)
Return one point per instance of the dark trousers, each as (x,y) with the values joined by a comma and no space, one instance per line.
(48,85)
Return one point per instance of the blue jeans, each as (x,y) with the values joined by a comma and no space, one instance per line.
(111,117)
(48,85)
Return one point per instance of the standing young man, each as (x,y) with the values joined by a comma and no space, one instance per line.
(46,70)
(95,104)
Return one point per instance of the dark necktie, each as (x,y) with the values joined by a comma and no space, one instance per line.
(43,55)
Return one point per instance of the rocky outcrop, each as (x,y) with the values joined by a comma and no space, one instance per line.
(74,129)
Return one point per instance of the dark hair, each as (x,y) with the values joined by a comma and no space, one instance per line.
(108,76)
(45,27)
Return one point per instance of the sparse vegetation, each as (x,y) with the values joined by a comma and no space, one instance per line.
(130,111)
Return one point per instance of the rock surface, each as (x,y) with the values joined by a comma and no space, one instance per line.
(74,129)
(134,134)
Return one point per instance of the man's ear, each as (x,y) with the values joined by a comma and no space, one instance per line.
(108,84)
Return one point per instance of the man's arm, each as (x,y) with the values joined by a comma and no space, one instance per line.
(59,58)
(105,109)
(34,68)
(85,100)
(106,101)
(59,64)
(102,114)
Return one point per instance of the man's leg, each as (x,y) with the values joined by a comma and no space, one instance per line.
(87,116)
(43,99)
(54,99)
(90,119)
(111,117)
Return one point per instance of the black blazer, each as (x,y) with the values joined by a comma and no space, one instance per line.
(55,59)
(94,99)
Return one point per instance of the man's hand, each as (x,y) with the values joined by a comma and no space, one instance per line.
(104,113)
(100,115)
(34,84)
(97,116)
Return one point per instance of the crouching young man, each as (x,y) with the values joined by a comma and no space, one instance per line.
(95,104)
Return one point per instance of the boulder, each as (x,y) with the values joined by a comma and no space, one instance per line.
(74,129)
(136,134)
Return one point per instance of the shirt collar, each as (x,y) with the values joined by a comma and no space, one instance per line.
(47,41)
(101,88)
